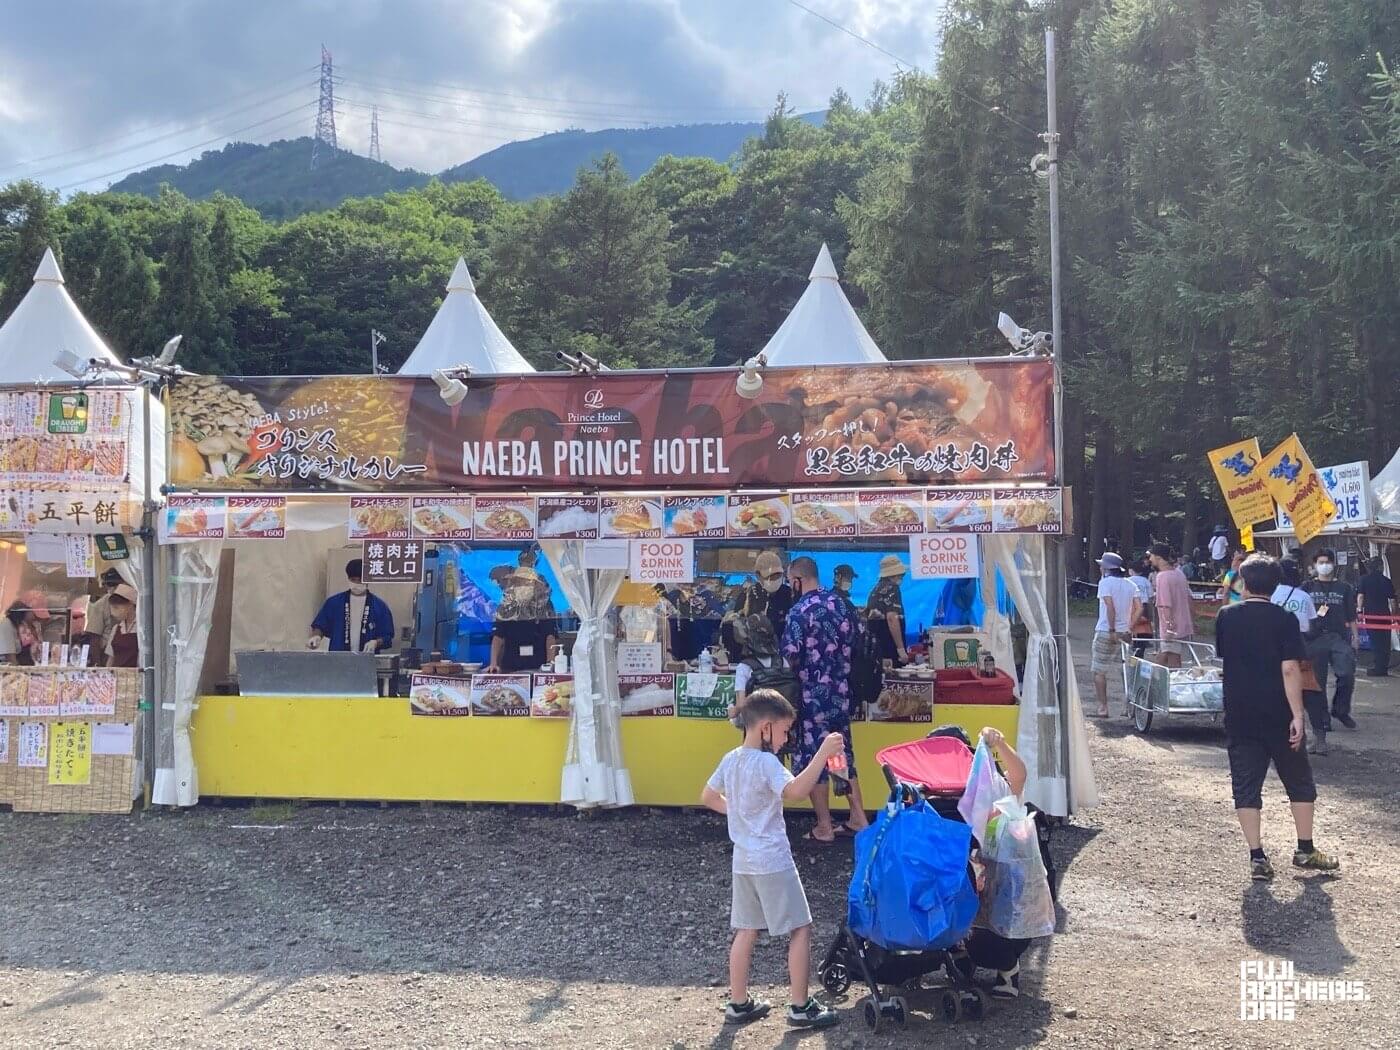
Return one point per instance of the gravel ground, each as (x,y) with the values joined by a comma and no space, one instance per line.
(318,926)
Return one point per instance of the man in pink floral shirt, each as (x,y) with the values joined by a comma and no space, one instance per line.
(821,630)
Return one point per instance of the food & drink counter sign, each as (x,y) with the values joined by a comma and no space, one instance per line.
(910,423)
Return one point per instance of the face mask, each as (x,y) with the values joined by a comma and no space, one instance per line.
(358,589)
(843,586)
(772,586)
(1324,568)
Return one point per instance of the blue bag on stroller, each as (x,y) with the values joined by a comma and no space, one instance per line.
(911,889)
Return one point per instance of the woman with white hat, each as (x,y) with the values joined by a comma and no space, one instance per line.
(884,610)
(122,648)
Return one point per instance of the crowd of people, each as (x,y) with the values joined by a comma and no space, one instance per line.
(105,625)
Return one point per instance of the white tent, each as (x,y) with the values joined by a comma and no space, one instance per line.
(822,328)
(45,322)
(462,333)
(1385,494)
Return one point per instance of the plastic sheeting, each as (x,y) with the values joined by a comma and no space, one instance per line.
(1044,729)
(595,772)
(192,582)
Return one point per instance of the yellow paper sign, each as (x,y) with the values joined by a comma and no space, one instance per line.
(70,753)
(1237,469)
(1247,537)
(1292,480)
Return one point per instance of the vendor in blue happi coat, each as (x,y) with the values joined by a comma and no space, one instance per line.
(353,620)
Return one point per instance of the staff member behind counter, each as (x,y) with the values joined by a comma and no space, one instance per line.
(354,620)
(525,629)
(122,648)
(768,594)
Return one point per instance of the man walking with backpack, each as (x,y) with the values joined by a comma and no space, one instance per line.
(817,645)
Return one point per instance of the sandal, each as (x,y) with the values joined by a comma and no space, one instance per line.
(845,831)
(811,836)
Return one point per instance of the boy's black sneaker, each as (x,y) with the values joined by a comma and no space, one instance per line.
(746,1013)
(812,1014)
(1008,984)
(1261,870)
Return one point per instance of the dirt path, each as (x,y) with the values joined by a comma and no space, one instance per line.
(406,927)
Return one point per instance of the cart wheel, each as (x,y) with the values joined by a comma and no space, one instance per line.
(836,979)
(897,1010)
(960,967)
(950,1006)
(1142,719)
(871,1013)
(974,1005)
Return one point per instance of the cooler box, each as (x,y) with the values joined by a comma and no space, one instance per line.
(956,647)
(960,685)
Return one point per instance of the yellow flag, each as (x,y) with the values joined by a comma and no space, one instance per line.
(1294,483)
(1247,537)
(1236,468)
(70,753)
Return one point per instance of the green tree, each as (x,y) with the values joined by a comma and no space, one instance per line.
(29,223)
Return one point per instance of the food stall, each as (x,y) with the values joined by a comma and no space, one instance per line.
(623,481)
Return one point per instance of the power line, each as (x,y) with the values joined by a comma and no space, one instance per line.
(186,149)
(464,122)
(204,121)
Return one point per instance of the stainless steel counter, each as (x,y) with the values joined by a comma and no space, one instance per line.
(306,673)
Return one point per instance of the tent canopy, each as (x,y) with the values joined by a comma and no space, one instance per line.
(1385,493)
(462,333)
(46,322)
(822,328)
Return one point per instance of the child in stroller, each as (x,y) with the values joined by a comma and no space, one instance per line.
(937,769)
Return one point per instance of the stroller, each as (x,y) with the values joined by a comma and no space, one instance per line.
(934,770)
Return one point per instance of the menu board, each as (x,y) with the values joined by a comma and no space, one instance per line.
(63,436)
(501,695)
(903,701)
(959,510)
(1029,510)
(257,517)
(505,518)
(86,693)
(631,518)
(704,695)
(891,512)
(189,518)
(14,693)
(647,695)
(551,695)
(442,517)
(568,517)
(437,695)
(766,515)
(70,754)
(379,517)
(639,658)
(824,513)
(694,517)
(33,745)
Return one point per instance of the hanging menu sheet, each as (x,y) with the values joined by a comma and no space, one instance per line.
(694,517)
(824,513)
(645,695)
(257,517)
(442,517)
(891,512)
(501,695)
(1029,510)
(632,517)
(505,517)
(33,745)
(379,517)
(14,693)
(759,515)
(190,518)
(551,695)
(4,742)
(959,510)
(70,754)
(568,517)
(80,557)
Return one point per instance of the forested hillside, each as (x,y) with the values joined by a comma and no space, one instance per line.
(1231,215)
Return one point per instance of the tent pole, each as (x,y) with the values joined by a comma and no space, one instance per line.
(1057,567)
(147,597)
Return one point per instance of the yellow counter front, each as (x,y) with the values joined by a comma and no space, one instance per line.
(374,750)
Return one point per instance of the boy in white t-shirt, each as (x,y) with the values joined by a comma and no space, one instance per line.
(1119,606)
(749,788)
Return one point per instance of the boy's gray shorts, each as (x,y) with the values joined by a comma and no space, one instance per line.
(776,903)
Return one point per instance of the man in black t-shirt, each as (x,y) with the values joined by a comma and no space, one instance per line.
(1261,647)
(1378,599)
(1332,640)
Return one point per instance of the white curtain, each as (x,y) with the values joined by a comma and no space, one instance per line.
(1044,729)
(133,571)
(595,772)
(193,581)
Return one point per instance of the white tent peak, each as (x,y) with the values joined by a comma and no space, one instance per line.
(824,267)
(48,268)
(823,328)
(461,279)
(463,333)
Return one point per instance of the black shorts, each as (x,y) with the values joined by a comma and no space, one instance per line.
(1249,764)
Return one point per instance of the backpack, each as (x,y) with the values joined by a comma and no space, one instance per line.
(779,677)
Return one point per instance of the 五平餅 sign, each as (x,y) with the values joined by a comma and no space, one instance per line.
(907,423)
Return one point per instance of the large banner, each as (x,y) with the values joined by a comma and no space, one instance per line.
(904,423)
(1295,484)
(1242,482)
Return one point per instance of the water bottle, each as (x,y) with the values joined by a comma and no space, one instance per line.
(707,662)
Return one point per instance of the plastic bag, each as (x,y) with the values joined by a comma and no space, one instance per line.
(911,889)
(1016,899)
(985,785)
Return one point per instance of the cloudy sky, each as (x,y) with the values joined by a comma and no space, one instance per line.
(90,90)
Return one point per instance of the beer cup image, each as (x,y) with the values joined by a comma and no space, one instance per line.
(962,652)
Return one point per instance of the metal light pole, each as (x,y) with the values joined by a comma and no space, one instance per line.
(1057,568)
(375,338)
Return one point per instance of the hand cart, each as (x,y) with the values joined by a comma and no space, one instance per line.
(1155,690)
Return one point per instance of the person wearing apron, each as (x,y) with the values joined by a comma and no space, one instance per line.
(122,647)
